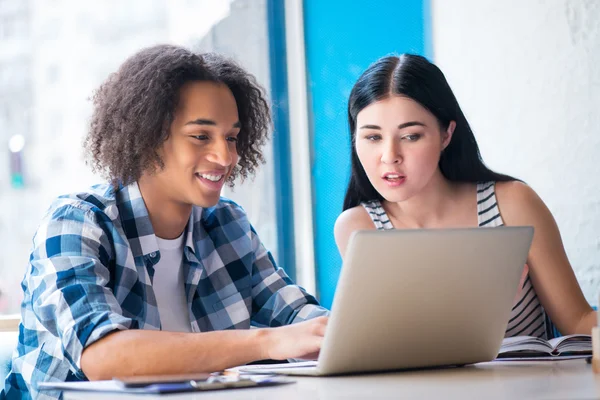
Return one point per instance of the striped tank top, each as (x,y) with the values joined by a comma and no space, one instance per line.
(527,316)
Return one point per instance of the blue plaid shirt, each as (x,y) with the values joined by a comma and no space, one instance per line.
(90,273)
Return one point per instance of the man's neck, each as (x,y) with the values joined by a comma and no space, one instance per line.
(168,217)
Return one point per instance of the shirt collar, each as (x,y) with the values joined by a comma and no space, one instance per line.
(195,218)
(136,221)
(137,226)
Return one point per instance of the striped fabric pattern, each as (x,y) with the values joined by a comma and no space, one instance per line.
(527,316)
(378,215)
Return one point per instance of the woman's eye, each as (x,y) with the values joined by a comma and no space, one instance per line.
(232,139)
(201,137)
(373,138)
(412,138)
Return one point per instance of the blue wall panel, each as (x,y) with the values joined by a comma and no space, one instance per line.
(281,143)
(342,38)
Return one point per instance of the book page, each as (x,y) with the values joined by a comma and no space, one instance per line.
(524,345)
(572,344)
(528,346)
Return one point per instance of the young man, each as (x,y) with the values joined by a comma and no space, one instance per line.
(155,273)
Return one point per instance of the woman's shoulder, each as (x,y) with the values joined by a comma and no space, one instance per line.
(515,192)
(352,219)
(518,202)
(355,217)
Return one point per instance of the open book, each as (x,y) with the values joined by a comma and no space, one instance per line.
(529,346)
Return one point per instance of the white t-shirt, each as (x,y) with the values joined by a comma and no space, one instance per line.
(169,287)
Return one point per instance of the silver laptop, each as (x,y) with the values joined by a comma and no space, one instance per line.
(419,298)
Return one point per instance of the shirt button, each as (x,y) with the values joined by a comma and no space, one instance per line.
(153,254)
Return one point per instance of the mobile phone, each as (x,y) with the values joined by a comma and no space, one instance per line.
(147,380)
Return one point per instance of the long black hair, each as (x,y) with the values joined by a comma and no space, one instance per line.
(416,78)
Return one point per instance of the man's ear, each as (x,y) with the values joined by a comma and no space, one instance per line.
(447,135)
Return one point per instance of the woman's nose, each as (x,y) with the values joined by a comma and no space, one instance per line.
(391,154)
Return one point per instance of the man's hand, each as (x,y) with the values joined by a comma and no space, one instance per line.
(301,340)
(136,352)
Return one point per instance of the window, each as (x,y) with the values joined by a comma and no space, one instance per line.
(76,46)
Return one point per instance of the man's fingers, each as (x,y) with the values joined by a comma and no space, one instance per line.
(313,344)
(320,329)
(319,325)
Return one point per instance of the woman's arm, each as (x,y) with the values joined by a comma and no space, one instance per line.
(551,273)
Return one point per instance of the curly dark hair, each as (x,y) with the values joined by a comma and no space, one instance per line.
(135,106)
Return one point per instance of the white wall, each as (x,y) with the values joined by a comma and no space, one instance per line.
(527,75)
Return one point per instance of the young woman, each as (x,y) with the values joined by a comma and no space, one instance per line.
(416,164)
(154,272)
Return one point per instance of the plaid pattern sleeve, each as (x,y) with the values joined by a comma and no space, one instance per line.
(243,277)
(276,300)
(67,303)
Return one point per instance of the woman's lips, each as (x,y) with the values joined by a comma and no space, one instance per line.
(393,179)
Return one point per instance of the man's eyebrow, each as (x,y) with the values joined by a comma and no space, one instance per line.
(202,121)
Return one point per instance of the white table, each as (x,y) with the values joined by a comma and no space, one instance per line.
(571,379)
